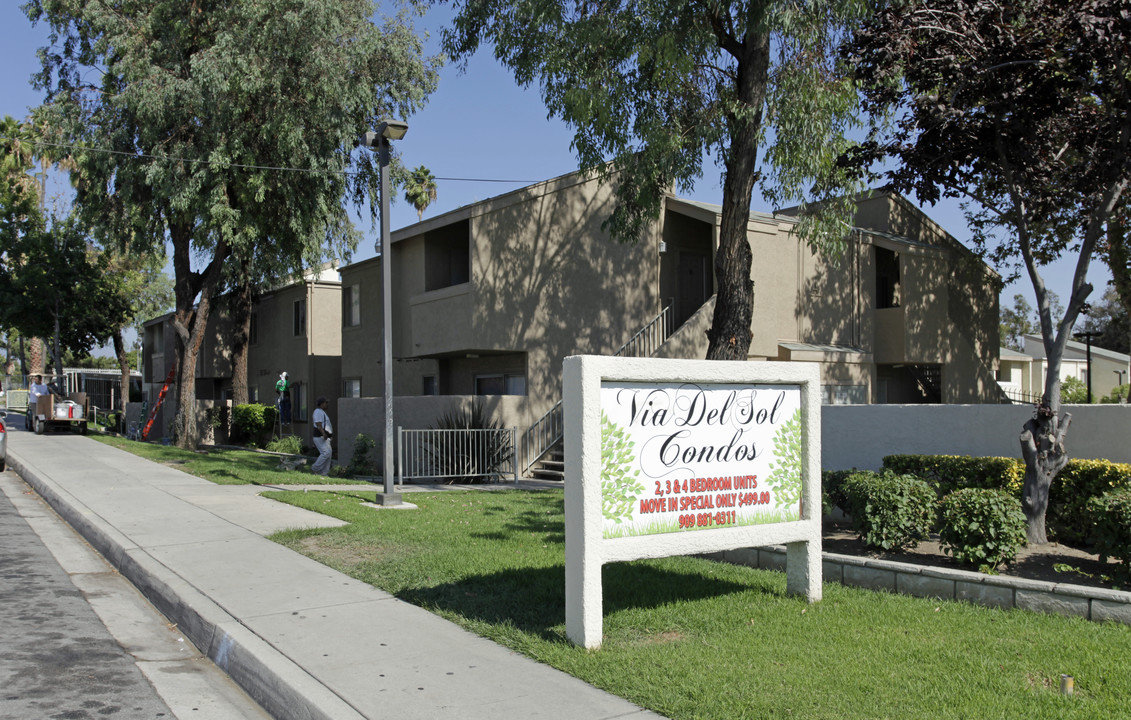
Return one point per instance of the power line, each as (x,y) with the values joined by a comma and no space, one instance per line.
(243,166)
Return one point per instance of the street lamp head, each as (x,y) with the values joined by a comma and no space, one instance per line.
(387,130)
(393,129)
(369,140)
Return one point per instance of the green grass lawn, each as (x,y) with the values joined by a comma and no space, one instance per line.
(222,466)
(692,638)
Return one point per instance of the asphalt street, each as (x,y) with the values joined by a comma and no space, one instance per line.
(78,641)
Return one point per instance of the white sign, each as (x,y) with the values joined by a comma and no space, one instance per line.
(678,457)
(685,457)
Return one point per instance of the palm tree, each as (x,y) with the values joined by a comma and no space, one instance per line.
(420,190)
(17,157)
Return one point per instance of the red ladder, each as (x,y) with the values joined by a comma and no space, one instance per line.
(157,405)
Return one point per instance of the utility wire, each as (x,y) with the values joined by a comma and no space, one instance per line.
(196,161)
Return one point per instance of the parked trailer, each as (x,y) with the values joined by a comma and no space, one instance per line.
(53,412)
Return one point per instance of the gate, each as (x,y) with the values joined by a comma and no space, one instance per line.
(485,455)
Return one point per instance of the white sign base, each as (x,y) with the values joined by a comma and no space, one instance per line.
(684,457)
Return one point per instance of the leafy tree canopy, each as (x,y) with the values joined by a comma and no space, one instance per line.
(55,285)
(1109,318)
(223,127)
(1023,108)
(658,86)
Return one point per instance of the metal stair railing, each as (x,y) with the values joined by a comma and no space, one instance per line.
(650,337)
(547,431)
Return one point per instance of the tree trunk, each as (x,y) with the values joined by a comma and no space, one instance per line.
(241,321)
(730,336)
(189,322)
(1042,446)
(58,353)
(9,363)
(123,356)
(36,357)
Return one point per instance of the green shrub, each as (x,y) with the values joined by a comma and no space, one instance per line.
(832,489)
(290,444)
(1111,529)
(890,511)
(1074,391)
(1067,518)
(982,526)
(1118,394)
(479,458)
(948,473)
(251,422)
(360,462)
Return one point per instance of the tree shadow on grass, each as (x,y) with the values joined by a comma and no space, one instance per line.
(533,599)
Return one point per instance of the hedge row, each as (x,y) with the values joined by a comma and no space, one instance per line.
(1068,518)
(979,526)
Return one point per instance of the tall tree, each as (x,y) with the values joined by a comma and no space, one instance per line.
(1109,318)
(658,85)
(54,284)
(224,127)
(1016,323)
(1024,108)
(20,192)
(1116,252)
(420,190)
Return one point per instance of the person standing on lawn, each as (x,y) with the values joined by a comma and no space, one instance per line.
(323,431)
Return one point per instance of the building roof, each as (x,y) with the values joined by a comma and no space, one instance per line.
(1011,354)
(1039,350)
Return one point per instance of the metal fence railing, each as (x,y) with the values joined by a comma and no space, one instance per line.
(540,437)
(457,454)
(1020,397)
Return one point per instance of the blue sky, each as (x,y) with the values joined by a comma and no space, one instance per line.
(478,127)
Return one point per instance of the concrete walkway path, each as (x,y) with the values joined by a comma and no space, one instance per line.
(303,640)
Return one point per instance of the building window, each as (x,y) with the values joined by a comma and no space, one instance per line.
(351,306)
(300,318)
(447,256)
(887,278)
(430,386)
(253,330)
(298,411)
(500,384)
(351,387)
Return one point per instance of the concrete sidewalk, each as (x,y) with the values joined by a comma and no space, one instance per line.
(305,641)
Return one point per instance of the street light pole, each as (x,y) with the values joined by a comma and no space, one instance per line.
(1087,336)
(389,130)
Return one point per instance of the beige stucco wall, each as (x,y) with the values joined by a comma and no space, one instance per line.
(311,359)
(545,282)
(367,415)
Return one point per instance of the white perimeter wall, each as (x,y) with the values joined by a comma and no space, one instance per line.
(859,436)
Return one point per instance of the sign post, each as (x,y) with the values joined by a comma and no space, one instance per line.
(682,457)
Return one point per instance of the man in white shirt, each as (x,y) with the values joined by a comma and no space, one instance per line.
(35,390)
(323,431)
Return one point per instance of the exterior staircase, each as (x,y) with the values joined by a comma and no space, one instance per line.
(542,443)
(551,466)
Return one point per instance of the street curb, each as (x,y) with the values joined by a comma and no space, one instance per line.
(280,686)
